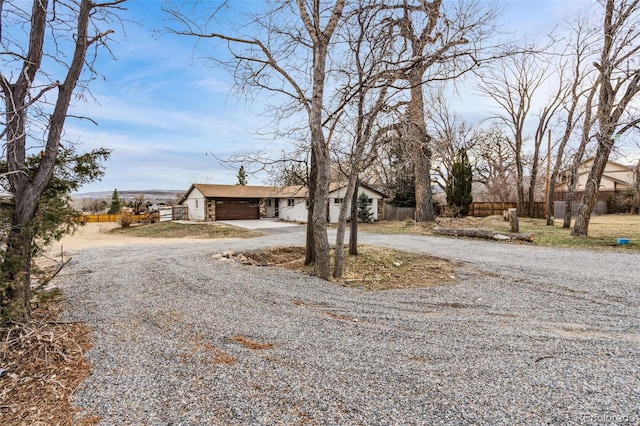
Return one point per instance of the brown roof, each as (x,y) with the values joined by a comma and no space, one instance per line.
(234,191)
(254,191)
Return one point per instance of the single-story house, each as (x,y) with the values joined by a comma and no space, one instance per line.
(617,178)
(207,202)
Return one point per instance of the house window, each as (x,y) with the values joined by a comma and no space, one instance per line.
(338,200)
(196,204)
(291,202)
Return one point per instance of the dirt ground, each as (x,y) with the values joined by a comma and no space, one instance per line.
(97,235)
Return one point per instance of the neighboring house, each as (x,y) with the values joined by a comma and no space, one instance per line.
(227,202)
(616,179)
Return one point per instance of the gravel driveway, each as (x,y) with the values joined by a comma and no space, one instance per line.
(527,335)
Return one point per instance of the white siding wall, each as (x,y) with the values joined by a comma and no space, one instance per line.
(334,209)
(197,205)
(295,213)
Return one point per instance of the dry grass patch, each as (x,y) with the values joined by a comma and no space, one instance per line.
(418,228)
(278,256)
(184,230)
(45,364)
(374,268)
(603,230)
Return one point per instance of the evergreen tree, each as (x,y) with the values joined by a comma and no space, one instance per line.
(404,192)
(364,208)
(242,176)
(54,217)
(459,184)
(116,204)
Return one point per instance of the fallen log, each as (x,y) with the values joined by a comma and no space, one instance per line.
(483,233)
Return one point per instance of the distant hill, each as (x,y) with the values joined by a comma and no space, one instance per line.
(153,195)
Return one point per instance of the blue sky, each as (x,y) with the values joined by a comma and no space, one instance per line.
(163,112)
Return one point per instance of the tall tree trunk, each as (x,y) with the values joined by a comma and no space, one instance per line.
(532,181)
(342,221)
(568,203)
(590,196)
(353,234)
(577,159)
(323,164)
(519,181)
(310,255)
(16,267)
(532,191)
(319,148)
(322,266)
(421,151)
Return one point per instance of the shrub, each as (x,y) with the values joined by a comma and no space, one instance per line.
(125,218)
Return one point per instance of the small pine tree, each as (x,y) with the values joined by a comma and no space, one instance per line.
(242,176)
(404,192)
(364,208)
(459,184)
(116,203)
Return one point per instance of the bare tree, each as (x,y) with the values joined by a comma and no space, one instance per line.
(35,109)
(494,165)
(437,42)
(580,49)
(450,134)
(257,60)
(95,205)
(366,96)
(512,85)
(139,202)
(544,118)
(578,156)
(619,84)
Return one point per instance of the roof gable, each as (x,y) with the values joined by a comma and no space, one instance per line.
(234,191)
(254,191)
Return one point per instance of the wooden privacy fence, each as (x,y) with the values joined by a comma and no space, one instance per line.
(95,218)
(398,213)
(477,209)
(491,209)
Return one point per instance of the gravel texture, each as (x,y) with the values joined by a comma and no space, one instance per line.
(527,335)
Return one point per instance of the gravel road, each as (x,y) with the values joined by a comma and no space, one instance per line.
(527,335)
